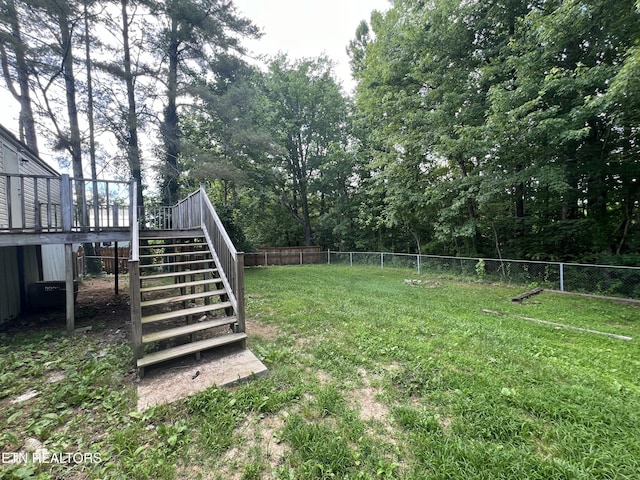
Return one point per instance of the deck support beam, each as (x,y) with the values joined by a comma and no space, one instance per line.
(70,307)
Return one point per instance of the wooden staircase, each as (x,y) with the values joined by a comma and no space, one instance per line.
(185,302)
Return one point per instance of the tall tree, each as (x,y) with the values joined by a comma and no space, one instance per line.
(11,41)
(56,23)
(193,34)
(308,121)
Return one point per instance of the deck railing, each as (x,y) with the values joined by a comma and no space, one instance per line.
(42,203)
(155,217)
(196,211)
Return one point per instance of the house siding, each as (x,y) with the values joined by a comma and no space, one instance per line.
(12,293)
(9,286)
(47,187)
(53,266)
(34,185)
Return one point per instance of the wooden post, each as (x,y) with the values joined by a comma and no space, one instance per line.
(116,267)
(239,291)
(96,223)
(84,220)
(37,212)
(115,213)
(68,257)
(23,204)
(9,206)
(136,312)
(49,206)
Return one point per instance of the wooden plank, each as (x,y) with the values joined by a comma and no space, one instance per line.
(61,238)
(577,329)
(116,269)
(181,298)
(70,307)
(562,325)
(184,312)
(133,222)
(173,245)
(528,294)
(240,291)
(181,285)
(189,348)
(177,264)
(175,254)
(136,310)
(170,234)
(178,274)
(187,329)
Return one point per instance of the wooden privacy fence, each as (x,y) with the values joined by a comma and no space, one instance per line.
(285,256)
(109,260)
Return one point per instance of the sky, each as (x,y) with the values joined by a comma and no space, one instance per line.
(309,28)
(300,28)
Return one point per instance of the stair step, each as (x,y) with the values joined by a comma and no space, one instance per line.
(174,245)
(176,254)
(165,235)
(178,274)
(177,264)
(188,348)
(182,298)
(195,283)
(184,312)
(187,329)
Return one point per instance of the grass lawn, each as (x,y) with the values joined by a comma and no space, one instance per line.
(369,378)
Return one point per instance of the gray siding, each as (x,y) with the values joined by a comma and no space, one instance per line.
(53,267)
(47,190)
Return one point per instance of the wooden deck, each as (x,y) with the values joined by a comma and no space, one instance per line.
(8,239)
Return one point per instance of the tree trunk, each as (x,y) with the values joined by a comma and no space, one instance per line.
(27,123)
(170,123)
(75,142)
(133,150)
(471,207)
(93,264)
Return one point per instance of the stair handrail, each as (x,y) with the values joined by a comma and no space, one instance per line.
(230,262)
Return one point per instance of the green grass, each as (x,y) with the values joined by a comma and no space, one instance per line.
(369,378)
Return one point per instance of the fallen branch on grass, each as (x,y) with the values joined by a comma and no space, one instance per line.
(526,295)
(562,325)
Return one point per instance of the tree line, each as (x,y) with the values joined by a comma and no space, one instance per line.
(500,128)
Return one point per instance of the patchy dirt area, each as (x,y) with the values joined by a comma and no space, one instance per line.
(106,315)
(97,306)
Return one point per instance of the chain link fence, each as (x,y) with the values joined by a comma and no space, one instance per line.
(606,280)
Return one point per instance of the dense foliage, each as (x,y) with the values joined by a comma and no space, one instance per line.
(510,124)
(501,128)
